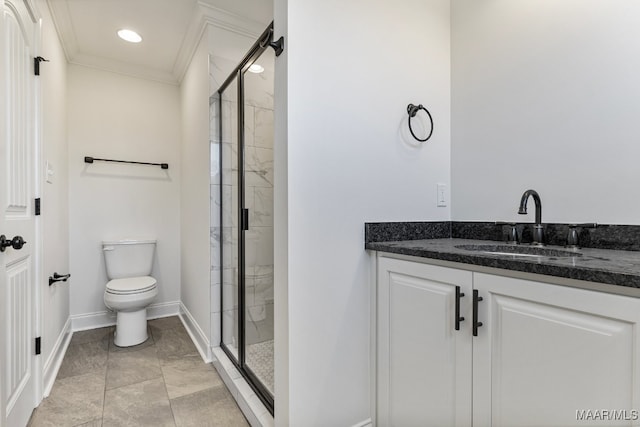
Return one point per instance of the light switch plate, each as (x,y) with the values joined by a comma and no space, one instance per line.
(442,195)
(49,172)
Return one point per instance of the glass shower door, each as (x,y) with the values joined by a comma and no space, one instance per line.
(245,103)
(258,90)
(229,218)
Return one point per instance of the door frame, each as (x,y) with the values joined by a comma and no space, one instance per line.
(261,45)
(38,178)
(37,277)
(3,198)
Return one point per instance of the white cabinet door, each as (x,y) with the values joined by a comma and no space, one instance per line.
(424,363)
(545,352)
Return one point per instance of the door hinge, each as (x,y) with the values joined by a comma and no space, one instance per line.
(36,64)
(38,341)
(37,206)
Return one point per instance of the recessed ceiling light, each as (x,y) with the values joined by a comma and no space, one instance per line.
(130,36)
(255,68)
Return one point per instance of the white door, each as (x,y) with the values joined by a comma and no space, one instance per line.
(545,352)
(17,184)
(424,363)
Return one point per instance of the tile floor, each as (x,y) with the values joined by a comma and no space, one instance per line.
(260,361)
(162,382)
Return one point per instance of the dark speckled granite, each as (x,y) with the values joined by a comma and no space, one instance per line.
(393,231)
(479,231)
(610,253)
(594,265)
(621,237)
(618,237)
(555,234)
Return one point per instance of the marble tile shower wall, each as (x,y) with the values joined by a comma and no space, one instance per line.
(258,131)
(215,220)
(258,128)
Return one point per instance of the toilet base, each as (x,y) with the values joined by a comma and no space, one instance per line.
(131,328)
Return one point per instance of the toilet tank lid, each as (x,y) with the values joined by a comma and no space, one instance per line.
(128,242)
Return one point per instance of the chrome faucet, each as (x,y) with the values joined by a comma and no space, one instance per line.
(538,230)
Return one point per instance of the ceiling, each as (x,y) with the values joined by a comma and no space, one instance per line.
(171,30)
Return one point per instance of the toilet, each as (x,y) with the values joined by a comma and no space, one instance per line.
(130,288)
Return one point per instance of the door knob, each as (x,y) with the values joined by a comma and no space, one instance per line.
(16,243)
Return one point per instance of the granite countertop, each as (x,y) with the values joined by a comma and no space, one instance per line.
(614,267)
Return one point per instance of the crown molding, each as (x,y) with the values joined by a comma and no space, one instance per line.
(205,15)
(64,27)
(230,21)
(125,68)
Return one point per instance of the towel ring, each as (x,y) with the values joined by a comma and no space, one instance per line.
(412,110)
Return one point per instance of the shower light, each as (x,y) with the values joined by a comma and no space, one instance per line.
(129,35)
(255,68)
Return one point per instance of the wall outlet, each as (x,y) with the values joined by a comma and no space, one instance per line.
(442,195)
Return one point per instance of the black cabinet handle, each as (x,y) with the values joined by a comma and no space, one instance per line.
(476,324)
(458,319)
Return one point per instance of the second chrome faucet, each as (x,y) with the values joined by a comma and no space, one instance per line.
(538,230)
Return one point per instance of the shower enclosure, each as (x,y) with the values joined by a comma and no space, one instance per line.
(242,116)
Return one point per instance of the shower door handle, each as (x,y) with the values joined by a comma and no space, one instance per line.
(245,219)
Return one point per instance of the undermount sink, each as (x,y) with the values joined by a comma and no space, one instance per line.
(521,251)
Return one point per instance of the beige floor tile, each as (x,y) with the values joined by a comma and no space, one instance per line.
(166,323)
(189,375)
(100,334)
(80,359)
(94,423)
(213,407)
(113,348)
(130,367)
(73,401)
(159,383)
(141,404)
(173,344)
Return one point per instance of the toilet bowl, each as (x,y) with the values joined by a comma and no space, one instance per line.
(129,298)
(130,289)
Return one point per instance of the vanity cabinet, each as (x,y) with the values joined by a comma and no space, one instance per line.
(543,351)
(424,363)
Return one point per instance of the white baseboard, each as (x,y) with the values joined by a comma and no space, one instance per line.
(100,319)
(165,309)
(54,361)
(197,335)
(365,423)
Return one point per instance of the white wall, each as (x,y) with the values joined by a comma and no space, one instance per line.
(119,117)
(55,212)
(545,95)
(350,74)
(194,190)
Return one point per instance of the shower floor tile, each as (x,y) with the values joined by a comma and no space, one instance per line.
(259,359)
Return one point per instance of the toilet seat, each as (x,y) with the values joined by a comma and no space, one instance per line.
(131,285)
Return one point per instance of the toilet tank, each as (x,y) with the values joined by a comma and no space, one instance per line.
(128,258)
